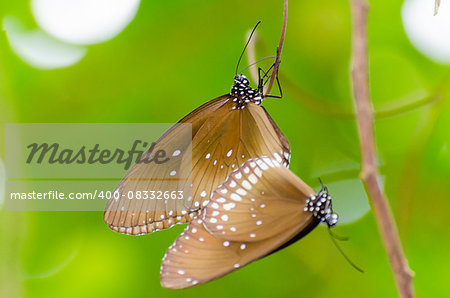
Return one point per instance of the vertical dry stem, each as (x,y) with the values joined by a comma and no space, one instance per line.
(279,48)
(369,172)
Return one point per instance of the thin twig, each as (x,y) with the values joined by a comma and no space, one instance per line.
(369,172)
(437,3)
(276,65)
(396,109)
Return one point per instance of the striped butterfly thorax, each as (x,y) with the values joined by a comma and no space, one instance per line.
(262,207)
(226,132)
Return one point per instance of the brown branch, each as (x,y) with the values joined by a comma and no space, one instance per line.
(276,65)
(369,172)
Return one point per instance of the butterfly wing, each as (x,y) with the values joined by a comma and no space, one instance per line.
(257,202)
(222,139)
(132,216)
(274,139)
(198,255)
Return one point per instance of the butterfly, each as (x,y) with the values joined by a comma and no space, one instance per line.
(202,149)
(261,208)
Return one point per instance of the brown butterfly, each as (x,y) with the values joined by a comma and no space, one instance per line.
(221,135)
(261,208)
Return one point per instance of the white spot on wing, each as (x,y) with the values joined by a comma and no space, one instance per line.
(235,197)
(229,206)
(246,184)
(263,166)
(278,157)
(252,178)
(241,191)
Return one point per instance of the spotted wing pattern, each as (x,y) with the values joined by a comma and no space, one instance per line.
(263,198)
(256,211)
(226,132)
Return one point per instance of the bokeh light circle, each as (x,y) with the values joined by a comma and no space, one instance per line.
(38,49)
(428,33)
(84,21)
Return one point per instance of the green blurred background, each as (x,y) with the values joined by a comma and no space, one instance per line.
(176,55)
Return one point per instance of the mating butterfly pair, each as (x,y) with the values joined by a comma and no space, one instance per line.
(226,132)
(260,208)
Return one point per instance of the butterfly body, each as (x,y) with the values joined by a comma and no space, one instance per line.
(244,94)
(204,147)
(258,210)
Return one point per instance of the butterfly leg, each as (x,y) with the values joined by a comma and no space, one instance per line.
(261,84)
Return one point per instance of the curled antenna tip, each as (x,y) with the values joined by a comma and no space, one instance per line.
(337,237)
(342,252)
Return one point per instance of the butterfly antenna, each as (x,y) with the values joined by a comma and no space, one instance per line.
(324,187)
(337,237)
(254,63)
(333,238)
(248,41)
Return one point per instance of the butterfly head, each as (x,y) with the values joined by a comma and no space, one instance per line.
(321,207)
(241,81)
(243,93)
